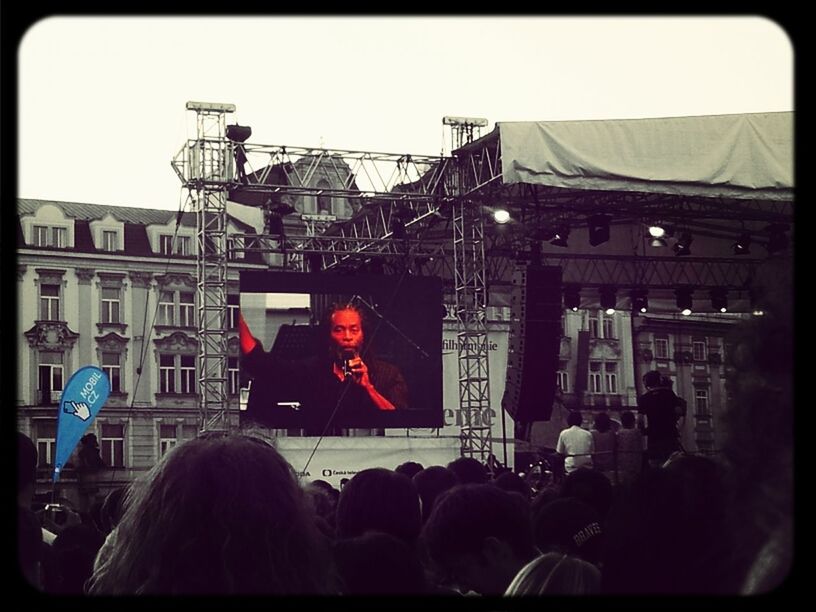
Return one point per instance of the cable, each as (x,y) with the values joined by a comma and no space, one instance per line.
(145,337)
(369,344)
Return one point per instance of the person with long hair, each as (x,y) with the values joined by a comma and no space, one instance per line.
(343,385)
(218,515)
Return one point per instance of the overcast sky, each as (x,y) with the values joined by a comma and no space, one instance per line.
(102,99)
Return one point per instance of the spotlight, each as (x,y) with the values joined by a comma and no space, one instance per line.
(598,229)
(719,300)
(684,299)
(683,244)
(572,297)
(657,231)
(561,237)
(640,303)
(238,133)
(608,301)
(741,245)
(778,240)
(501,216)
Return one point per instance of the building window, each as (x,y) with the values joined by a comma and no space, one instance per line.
(562,380)
(701,402)
(111,367)
(611,372)
(661,348)
(595,377)
(594,331)
(46,436)
(166,245)
(234,380)
(183,245)
(167,438)
(110,305)
(174,245)
(186,309)
(235,246)
(50,378)
(49,302)
(608,323)
(167,374)
(233,307)
(324,202)
(48,236)
(698,349)
(110,240)
(112,444)
(188,374)
(166,307)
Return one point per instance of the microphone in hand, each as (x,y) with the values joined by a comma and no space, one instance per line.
(347,356)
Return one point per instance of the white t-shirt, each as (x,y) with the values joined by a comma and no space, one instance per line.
(575,441)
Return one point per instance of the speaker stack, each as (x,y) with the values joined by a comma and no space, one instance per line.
(535,340)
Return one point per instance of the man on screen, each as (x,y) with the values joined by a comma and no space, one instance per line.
(342,386)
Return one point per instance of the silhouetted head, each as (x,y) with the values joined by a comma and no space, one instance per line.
(382,500)
(478,536)
(217,515)
(469,470)
(430,483)
(574,418)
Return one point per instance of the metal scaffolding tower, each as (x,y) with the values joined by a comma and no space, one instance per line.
(205,166)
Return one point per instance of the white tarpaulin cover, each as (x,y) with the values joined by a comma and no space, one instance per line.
(737,156)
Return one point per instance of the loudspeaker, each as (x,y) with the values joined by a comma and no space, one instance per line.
(534,345)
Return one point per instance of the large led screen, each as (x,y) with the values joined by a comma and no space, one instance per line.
(329,352)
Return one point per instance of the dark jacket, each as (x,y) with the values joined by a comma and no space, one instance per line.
(322,396)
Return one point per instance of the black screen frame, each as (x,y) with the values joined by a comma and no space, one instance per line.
(404,328)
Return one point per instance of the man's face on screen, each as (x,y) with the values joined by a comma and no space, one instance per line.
(347,330)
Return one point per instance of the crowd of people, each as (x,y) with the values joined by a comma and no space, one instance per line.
(227,515)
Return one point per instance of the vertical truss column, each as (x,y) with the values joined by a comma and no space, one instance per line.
(211,170)
(471,316)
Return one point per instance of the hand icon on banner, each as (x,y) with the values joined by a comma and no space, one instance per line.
(79,409)
(82,399)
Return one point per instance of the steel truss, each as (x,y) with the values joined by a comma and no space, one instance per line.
(205,167)
(405,208)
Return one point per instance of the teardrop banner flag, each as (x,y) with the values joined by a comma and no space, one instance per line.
(82,399)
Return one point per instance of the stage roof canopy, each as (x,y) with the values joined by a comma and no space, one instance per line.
(746,156)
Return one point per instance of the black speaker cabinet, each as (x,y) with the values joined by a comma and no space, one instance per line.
(535,340)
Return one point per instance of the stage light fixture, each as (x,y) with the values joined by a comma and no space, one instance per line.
(778,240)
(238,133)
(719,299)
(741,246)
(598,229)
(640,303)
(683,244)
(608,299)
(657,231)
(658,242)
(684,299)
(561,237)
(501,216)
(572,297)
